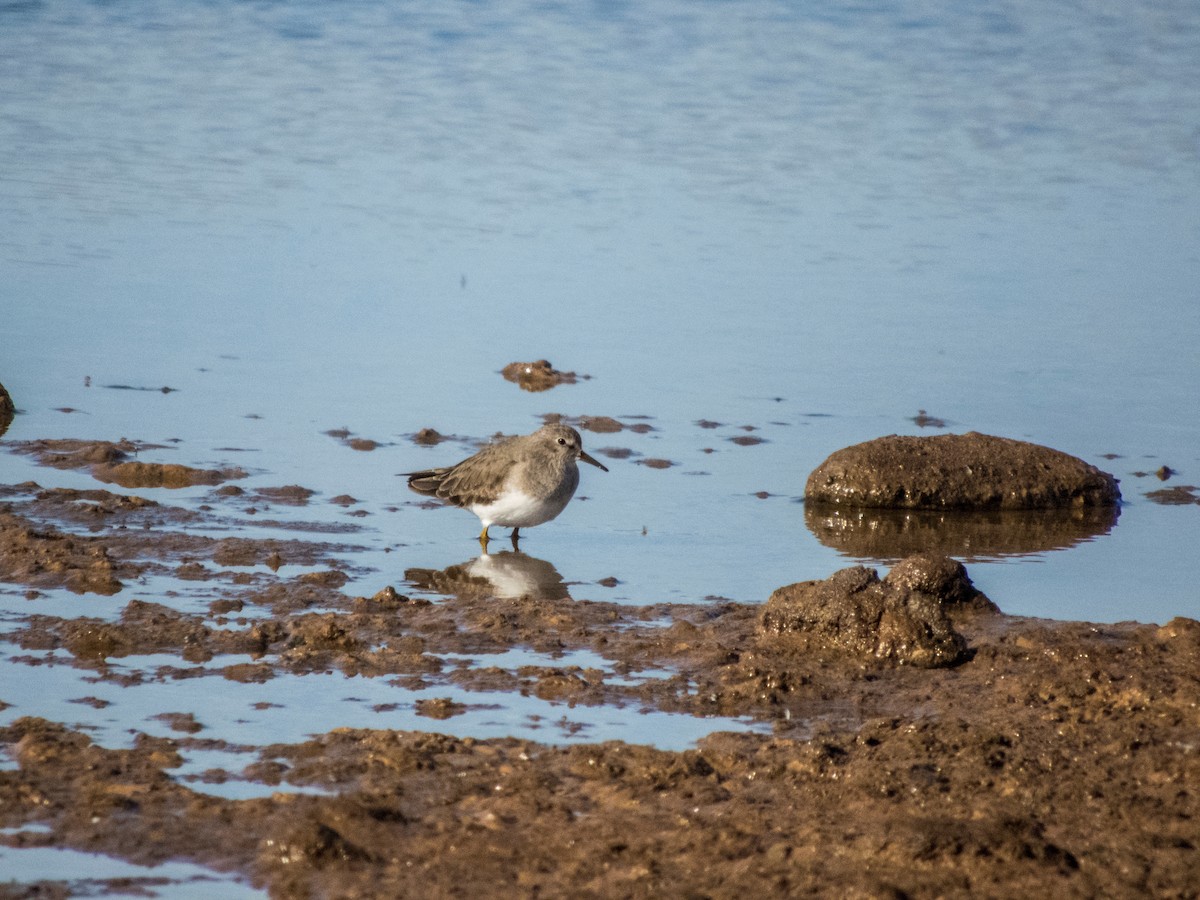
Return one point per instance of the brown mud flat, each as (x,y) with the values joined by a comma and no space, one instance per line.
(110,462)
(921,743)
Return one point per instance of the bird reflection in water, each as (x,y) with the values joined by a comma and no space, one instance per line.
(508,574)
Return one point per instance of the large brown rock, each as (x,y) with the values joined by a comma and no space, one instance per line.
(958,471)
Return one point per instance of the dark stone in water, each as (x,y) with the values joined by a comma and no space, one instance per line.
(429,437)
(958,471)
(923,420)
(7,410)
(537,376)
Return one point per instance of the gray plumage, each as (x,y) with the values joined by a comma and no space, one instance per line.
(515,482)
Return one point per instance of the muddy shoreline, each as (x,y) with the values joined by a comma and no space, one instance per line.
(1009,756)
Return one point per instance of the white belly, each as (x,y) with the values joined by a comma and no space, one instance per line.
(516,509)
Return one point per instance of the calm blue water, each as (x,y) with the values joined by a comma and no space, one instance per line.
(813,219)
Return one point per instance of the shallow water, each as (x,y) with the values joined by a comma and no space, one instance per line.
(81,870)
(816,222)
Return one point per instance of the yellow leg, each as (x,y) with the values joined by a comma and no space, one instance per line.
(483,539)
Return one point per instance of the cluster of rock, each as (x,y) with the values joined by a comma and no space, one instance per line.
(907,617)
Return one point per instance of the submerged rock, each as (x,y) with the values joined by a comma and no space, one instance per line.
(902,618)
(536,376)
(958,471)
(429,437)
(165,475)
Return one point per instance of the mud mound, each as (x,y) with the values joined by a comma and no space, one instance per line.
(901,618)
(958,471)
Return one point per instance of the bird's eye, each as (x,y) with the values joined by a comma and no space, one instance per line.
(562,441)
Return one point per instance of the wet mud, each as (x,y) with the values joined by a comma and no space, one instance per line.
(112,463)
(42,557)
(903,737)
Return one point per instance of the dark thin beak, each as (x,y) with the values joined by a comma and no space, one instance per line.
(588,459)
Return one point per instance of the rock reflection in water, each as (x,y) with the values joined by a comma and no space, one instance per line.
(974,536)
(509,574)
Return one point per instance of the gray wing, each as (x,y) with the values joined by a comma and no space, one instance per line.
(477,479)
(426,481)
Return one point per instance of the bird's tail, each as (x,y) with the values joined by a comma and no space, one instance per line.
(426,482)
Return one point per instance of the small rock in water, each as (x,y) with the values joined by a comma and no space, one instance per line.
(924,420)
(537,376)
(439,708)
(429,437)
